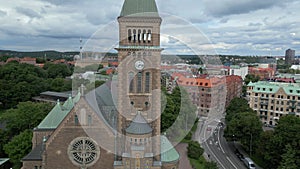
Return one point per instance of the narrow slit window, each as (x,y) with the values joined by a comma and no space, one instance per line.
(147,82)
(139,82)
(144,36)
(149,36)
(76,120)
(139,35)
(89,120)
(134,35)
(129,35)
(131,82)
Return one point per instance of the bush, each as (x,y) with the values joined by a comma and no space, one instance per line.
(194,150)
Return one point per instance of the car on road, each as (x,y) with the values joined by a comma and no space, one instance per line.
(249,163)
(238,154)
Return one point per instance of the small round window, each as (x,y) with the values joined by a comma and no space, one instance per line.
(83,152)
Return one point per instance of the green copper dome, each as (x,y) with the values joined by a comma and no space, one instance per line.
(140,8)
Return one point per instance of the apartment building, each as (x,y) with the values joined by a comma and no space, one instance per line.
(272,100)
(211,94)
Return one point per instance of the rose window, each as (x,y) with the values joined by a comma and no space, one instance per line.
(83,151)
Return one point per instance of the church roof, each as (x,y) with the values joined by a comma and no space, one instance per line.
(168,152)
(139,8)
(54,117)
(139,126)
(35,154)
(69,104)
(58,113)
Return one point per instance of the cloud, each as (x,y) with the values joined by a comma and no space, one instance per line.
(2,13)
(28,12)
(221,8)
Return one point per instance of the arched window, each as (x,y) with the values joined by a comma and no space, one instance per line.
(147,82)
(149,36)
(144,36)
(139,82)
(131,82)
(139,35)
(134,35)
(76,120)
(129,35)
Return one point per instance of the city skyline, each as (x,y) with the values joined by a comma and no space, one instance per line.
(243,28)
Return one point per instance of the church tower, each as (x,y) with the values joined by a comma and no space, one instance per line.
(139,94)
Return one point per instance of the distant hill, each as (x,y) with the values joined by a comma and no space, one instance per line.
(51,54)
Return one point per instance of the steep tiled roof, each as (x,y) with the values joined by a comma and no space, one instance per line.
(139,126)
(168,152)
(142,8)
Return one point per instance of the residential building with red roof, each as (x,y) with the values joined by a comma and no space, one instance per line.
(210,94)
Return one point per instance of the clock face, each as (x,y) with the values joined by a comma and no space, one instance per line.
(139,65)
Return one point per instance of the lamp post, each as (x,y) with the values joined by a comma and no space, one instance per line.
(250,144)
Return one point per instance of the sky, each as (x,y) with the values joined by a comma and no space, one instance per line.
(245,27)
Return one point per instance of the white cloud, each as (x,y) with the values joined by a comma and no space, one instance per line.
(247,27)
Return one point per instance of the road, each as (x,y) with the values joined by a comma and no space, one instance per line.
(210,135)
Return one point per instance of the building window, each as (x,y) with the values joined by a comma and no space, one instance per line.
(149,36)
(139,35)
(129,35)
(131,82)
(134,35)
(83,151)
(139,82)
(76,120)
(89,120)
(147,82)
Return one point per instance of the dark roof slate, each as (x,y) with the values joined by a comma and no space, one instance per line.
(35,154)
(139,126)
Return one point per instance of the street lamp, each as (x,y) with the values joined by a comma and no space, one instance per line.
(250,144)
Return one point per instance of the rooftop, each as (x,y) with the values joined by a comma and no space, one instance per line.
(139,8)
(139,126)
(168,152)
(273,87)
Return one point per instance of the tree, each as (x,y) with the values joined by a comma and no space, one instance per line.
(289,158)
(211,165)
(246,127)
(27,115)
(251,78)
(57,70)
(18,147)
(27,81)
(237,105)
(194,150)
(286,131)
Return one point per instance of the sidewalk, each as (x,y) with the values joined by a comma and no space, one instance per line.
(184,162)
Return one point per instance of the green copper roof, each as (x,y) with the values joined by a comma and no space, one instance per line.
(140,8)
(54,118)
(168,152)
(69,104)
(273,87)
(139,126)
(77,97)
(58,113)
